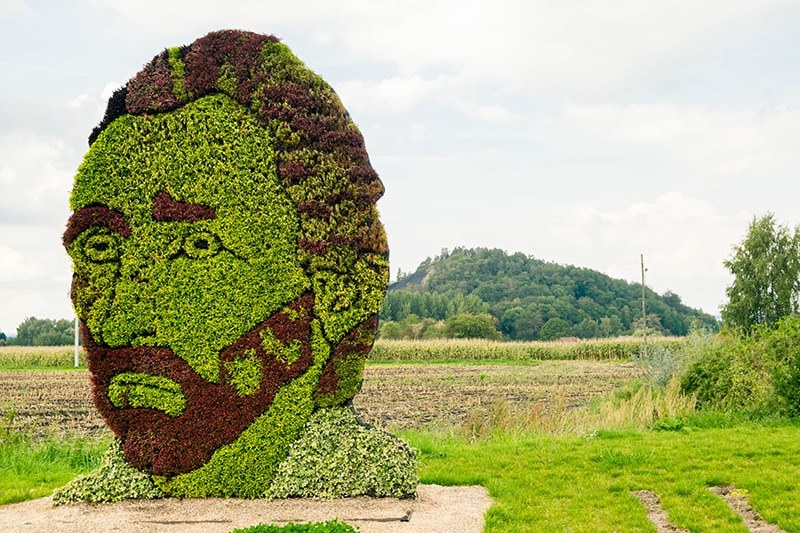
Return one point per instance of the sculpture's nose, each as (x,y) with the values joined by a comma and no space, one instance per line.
(134,312)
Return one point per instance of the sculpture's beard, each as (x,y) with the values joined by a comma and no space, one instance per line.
(213,414)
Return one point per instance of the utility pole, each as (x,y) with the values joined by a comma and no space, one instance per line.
(77,337)
(644,312)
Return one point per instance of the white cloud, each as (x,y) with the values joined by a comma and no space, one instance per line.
(684,241)
(79,101)
(16,266)
(8,7)
(36,174)
(556,48)
(389,96)
(493,113)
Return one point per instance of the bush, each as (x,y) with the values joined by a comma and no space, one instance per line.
(757,374)
(782,346)
(332,526)
(114,481)
(336,457)
(661,363)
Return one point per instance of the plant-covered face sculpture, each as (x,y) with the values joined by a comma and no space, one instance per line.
(229,263)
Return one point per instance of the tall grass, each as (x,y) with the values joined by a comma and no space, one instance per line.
(32,467)
(637,407)
(481,349)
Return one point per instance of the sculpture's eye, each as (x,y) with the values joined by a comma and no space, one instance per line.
(102,247)
(201,245)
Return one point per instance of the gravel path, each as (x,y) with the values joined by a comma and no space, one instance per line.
(436,510)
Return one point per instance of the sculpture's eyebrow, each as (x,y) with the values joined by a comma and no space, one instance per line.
(96,215)
(165,209)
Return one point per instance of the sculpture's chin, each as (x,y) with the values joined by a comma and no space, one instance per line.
(168,419)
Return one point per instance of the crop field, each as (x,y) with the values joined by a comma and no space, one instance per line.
(39,356)
(482,350)
(440,396)
(393,396)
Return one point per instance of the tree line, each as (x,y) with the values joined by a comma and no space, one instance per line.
(41,332)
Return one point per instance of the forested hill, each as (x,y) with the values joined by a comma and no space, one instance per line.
(531,299)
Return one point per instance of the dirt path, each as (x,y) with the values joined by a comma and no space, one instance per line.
(436,510)
(738,502)
(735,499)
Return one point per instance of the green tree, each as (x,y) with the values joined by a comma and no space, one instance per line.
(555,328)
(45,332)
(390,330)
(766,270)
(467,326)
(2,339)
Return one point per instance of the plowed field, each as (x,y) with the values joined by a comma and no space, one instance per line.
(398,396)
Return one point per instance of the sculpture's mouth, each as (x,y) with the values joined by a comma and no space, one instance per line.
(168,418)
(138,389)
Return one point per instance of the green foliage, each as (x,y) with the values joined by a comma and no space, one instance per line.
(782,345)
(555,328)
(245,372)
(178,73)
(331,526)
(135,389)
(336,457)
(198,309)
(524,293)
(114,481)
(413,328)
(766,270)
(758,374)
(43,332)
(466,326)
(727,374)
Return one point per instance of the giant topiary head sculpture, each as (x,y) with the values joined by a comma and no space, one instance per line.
(229,262)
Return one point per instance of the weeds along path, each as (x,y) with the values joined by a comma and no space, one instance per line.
(392,396)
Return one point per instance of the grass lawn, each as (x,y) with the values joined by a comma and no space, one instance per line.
(32,468)
(548,483)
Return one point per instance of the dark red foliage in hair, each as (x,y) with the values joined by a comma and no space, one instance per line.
(151,89)
(314,209)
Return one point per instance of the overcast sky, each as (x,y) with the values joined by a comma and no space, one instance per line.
(579,132)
